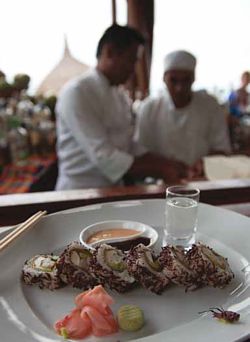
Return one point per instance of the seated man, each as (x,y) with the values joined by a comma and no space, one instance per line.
(95,125)
(181,124)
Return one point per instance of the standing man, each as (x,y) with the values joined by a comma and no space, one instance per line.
(182,124)
(95,126)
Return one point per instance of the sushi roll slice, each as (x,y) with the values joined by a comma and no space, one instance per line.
(143,265)
(175,267)
(109,267)
(41,270)
(73,266)
(213,269)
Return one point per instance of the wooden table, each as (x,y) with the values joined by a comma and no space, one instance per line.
(232,194)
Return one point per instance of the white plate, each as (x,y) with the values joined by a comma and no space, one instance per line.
(28,313)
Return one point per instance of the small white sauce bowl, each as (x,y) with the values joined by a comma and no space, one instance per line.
(143,231)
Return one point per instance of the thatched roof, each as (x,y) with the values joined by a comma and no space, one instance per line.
(69,67)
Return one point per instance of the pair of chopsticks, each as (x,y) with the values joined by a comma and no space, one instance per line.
(20,229)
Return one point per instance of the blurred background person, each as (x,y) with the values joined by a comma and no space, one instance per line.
(239,115)
(95,125)
(181,124)
(239,99)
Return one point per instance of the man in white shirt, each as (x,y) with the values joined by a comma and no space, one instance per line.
(95,126)
(181,124)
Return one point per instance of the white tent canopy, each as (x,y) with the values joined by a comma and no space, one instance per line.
(69,67)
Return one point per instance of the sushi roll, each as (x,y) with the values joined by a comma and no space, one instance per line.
(213,269)
(175,267)
(143,265)
(73,266)
(41,270)
(109,267)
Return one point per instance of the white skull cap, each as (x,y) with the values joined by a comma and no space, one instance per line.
(179,60)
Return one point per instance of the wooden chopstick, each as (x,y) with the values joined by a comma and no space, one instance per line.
(21,229)
(19,226)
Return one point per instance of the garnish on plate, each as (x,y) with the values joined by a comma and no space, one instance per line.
(130,318)
(92,315)
(225,316)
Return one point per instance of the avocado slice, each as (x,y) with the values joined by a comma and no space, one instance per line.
(114,260)
(152,263)
(215,258)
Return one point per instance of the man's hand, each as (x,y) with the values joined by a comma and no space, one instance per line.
(151,165)
(174,171)
(196,171)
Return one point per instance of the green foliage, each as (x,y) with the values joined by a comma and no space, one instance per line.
(4,85)
(50,102)
(21,81)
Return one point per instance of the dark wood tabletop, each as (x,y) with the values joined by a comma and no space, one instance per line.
(231,194)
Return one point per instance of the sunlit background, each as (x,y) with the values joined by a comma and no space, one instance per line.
(32,36)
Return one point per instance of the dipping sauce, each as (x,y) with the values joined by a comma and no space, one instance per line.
(111,233)
(126,245)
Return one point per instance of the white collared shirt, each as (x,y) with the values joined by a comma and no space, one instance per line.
(185,134)
(95,130)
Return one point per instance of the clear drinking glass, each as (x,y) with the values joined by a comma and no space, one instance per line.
(181,215)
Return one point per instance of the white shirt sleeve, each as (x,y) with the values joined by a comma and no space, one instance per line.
(144,130)
(219,137)
(80,114)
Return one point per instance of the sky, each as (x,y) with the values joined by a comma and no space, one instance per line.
(215,31)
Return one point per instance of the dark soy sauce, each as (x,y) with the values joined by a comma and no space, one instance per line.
(127,244)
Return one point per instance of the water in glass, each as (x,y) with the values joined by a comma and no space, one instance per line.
(181,220)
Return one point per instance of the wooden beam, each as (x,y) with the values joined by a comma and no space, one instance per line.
(114,12)
(141,17)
